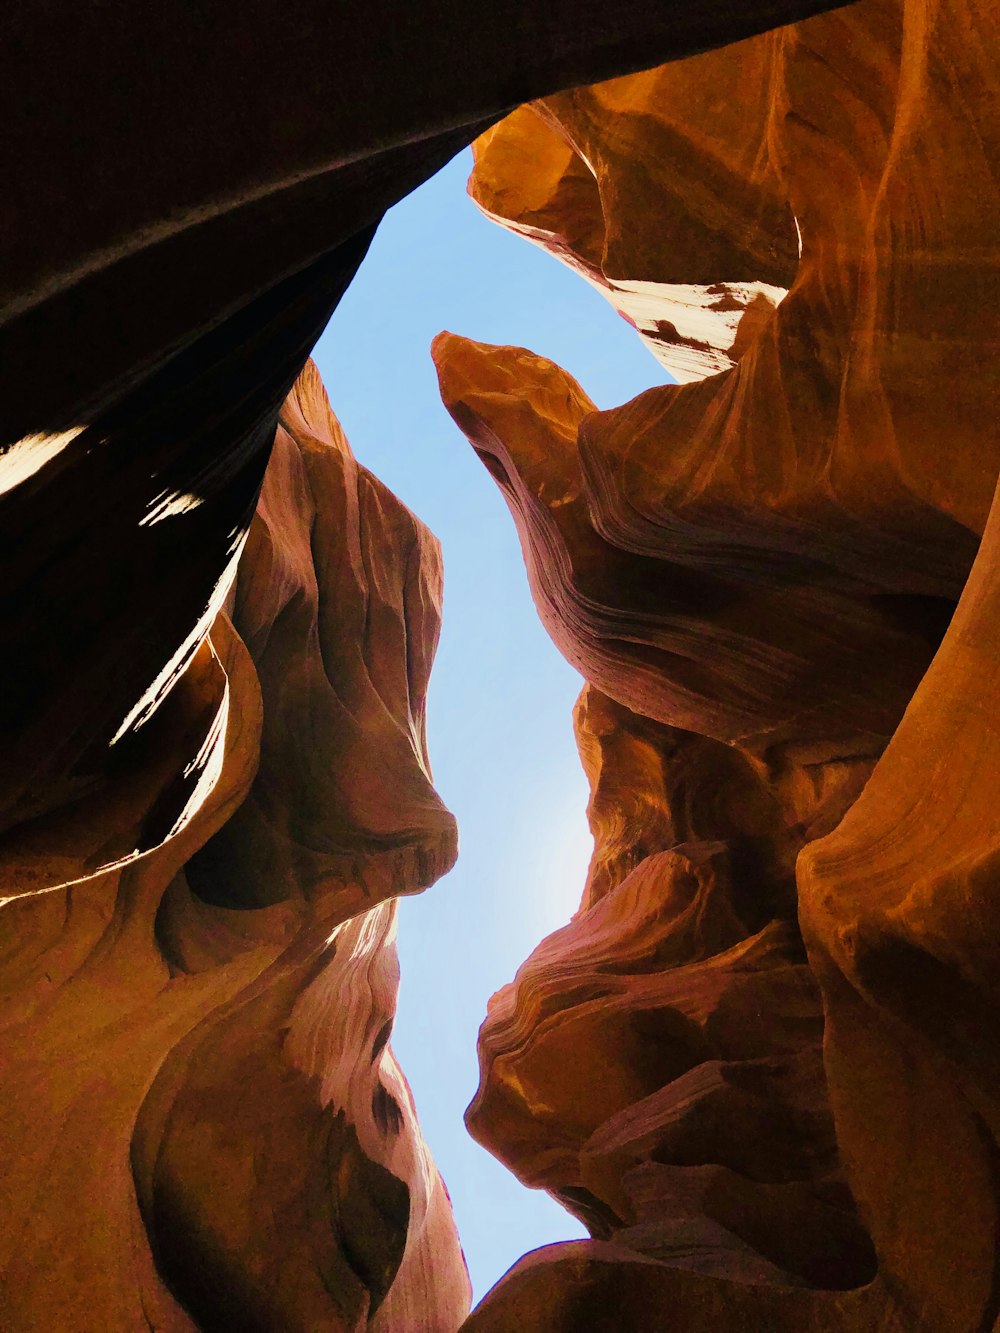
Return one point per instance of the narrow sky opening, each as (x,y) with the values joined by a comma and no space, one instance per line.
(500,700)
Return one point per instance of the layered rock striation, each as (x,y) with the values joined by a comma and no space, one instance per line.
(210,792)
(698,241)
(188,194)
(195,1044)
(758,1062)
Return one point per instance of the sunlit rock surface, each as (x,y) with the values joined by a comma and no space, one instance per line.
(210,794)
(760,1063)
(654,188)
(187,194)
(195,1046)
(657,1063)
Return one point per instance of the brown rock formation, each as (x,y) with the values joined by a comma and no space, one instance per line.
(187,195)
(659,621)
(657,1062)
(194,1046)
(197,959)
(756,572)
(771,1094)
(654,188)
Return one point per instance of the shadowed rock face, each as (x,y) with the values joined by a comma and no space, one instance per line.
(202,827)
(563,172)
(211,792)
(174,251)
(760,1062)
(195,1046)
(657,1063)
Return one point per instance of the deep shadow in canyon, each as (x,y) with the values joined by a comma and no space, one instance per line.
(760,1061)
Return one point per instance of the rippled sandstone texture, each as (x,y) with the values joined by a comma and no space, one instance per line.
(757,568)
(195,1045)
(198,972)
(760,1062)
(188,193)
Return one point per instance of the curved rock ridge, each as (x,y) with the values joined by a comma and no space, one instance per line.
(339,601)
(748,652)
(654,788)
(168,258)
(655,189)
(786,726)
(195,1046)
(705,1141)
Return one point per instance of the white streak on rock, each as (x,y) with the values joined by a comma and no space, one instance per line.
(170,504)
(148,703)
(23,459)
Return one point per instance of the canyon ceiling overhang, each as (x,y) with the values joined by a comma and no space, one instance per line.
(187,192)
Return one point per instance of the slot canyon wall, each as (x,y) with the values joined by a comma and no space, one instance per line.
(203,1124)
(760,1062)
(209,798)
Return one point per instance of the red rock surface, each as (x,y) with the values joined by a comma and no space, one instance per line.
(195,1046)
(188,192)
(202,828)
(760,1062)
(657,1063)
(684,247)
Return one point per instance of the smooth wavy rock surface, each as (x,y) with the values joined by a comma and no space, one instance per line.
(653,187)
(760,1062)
(706,1138)
(188,192)
(195,1046)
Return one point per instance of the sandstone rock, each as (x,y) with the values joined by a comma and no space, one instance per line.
(195,1046)
(655,189)
(188,193)
(897,911)
(657,1063)
(654,787)
(748,651)
(757,572)
(202,828)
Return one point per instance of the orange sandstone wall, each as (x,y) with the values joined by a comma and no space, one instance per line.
(203,1124)
(188,191)
(760,1063)
(209,796)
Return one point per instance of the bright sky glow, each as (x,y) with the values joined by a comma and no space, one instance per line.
(500,702)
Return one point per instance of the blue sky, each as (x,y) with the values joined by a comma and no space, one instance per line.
(499,708)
